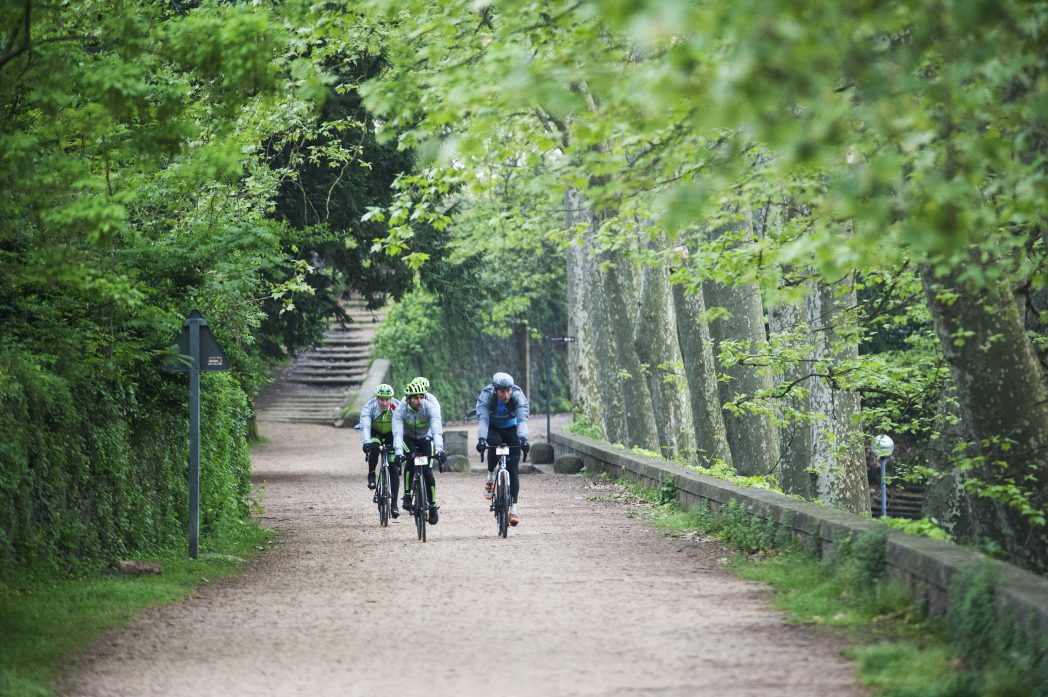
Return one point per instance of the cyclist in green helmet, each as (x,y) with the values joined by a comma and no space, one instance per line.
(376,427)
(417,427)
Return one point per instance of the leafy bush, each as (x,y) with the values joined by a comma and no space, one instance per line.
(89,473)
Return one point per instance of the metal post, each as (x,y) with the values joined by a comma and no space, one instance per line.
(548,345)
(884,487)
(194,435)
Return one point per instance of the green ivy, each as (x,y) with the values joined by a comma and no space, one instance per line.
(89,473)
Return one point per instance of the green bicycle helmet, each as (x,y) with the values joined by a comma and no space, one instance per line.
(384,390)
(413,388)
(423,382)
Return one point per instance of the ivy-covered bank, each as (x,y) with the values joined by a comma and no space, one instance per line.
(158,158)
(93,468)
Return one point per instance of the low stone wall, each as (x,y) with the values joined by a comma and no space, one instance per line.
(924,564)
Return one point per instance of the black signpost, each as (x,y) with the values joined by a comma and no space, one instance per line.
(550,340)
(198,351)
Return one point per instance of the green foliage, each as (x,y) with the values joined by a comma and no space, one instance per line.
(584,425)
(735,525)
(1008,650)
(667,491)
(924,527)
(804,148)
(143,154)
(89,472)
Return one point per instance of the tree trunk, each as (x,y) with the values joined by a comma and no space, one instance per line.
(838,453)
(655,343)
(753,439)
(1003,400)
(621,296)
(693,333)
(796,474)
(584,355)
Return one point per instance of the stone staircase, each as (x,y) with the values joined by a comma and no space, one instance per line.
(319,381)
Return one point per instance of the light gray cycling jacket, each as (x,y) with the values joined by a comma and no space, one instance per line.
(418,424)
(486,405)
(369,414)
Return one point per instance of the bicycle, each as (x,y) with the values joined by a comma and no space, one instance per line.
(501,499)
(383,493)
(419,495)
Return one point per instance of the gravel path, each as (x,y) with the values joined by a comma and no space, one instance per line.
(581,599)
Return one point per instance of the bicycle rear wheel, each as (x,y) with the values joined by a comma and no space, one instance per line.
(383,497)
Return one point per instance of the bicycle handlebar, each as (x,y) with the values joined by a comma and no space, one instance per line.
(511,447)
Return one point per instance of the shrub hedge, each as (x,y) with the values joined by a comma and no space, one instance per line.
(89,473)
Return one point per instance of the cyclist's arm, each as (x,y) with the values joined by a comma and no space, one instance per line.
(398,431)
(365,424)
(482,414)
(436,425)
(522,413)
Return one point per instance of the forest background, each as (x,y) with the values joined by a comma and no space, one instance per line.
(773,231)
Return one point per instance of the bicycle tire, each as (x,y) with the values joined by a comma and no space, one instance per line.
(383,497)
(418,505)
(504,509)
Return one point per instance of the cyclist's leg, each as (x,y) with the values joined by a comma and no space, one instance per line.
(372,463)
(509,436)
(394,470)
(494,438)
(409,467)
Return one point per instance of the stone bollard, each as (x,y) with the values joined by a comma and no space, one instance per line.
(567,464)
(456,445)
(541,454)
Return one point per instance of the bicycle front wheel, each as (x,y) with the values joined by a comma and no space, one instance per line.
(383,497)
(420,512)
(502,506)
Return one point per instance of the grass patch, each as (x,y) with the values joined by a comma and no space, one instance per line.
(43,620)
(974,652)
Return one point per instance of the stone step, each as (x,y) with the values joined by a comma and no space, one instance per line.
(311,399)
(297,419)
(328,373)
(324,362)
(337,354)
(307,380)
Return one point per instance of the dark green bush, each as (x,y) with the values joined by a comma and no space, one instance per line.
(1011,657)
(89,474)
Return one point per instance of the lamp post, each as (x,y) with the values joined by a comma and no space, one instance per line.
(883,447)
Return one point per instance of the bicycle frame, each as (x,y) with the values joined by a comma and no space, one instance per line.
(419,495)
(500,502)
(383,494)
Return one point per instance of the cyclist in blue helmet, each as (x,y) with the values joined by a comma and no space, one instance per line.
(376,427)
(503,411)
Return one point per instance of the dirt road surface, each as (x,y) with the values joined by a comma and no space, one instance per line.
(580,600)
